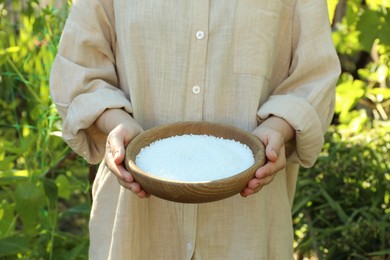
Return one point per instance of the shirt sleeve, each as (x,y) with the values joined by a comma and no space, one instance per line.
(83,80)
(306,97)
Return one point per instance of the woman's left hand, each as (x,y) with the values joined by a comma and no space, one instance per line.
(273,133)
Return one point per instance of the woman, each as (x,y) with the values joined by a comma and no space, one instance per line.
(124,66)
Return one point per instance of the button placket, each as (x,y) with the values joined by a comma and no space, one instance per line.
(197,61)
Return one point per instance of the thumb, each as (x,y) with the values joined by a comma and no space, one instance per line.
(119,156)
(117,148)
(271,154)
(275,143)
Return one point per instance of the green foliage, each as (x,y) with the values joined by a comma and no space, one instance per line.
(44,188)
(342,206)
(341,209)
(362,39)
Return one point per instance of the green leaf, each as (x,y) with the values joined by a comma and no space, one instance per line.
(300,203)
(374,25)
(12,176)
(335,205)
(51,191)
(383,93)
(357,123)
(368,26)
(384,33)
(380,253)
(29,198)
(12,148)
(64,187)
(7,223)
(78,250)
(377,4)
(348,93)
(83,209)
(9,50)
(13,245)
(7,163)
(352,12)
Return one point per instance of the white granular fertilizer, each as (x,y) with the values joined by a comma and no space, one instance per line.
(194,158)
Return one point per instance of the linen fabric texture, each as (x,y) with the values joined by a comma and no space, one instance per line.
(163,61)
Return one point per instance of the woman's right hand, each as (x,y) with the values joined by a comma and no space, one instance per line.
(121,128)
(114,157)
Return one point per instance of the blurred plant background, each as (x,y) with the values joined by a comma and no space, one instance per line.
(341,209)
(44,193)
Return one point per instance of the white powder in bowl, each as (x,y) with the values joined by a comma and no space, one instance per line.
(194,158)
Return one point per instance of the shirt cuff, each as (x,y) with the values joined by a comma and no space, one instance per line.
(81,115)
(302,116)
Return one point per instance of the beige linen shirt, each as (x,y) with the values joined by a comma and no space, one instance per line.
(162,61)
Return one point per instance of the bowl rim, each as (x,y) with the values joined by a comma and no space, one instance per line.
(131,165)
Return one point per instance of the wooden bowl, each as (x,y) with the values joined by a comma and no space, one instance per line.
(193,192)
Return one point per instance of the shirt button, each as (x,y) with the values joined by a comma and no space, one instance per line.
(199,35)
(189,246)
(196,90)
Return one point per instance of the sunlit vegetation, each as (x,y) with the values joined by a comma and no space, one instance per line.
(341,209)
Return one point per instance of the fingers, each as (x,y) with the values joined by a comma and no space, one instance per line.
(272,166)
(127,180)
(263,176)
(135,188)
